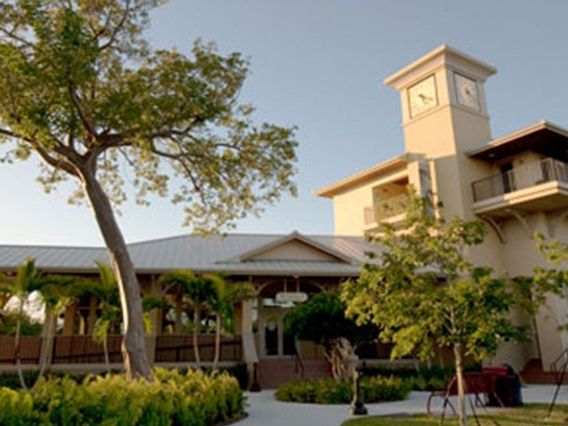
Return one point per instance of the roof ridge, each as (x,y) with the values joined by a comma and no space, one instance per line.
(173,237)
(189,235)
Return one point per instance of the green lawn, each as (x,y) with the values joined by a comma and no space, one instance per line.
(530,414)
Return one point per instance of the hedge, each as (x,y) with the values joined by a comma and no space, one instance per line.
(330,391)
(423,379)
(172,398)
(12,381)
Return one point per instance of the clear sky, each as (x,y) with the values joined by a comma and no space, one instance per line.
(319,64)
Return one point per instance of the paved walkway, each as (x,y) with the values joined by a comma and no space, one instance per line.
(264,410)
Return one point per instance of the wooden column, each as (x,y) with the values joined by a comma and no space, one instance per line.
(69,320)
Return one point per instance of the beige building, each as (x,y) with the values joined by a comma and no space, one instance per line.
(517,184)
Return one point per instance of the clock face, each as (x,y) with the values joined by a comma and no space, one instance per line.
(422,96)
(466,90)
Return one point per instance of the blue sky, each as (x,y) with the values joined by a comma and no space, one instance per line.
(319,64)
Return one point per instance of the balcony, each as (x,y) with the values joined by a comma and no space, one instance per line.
(390,210)
(535,186)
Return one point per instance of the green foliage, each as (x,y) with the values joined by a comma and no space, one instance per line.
(10,380)
(9,322)
(16,409)
(425,379)
(330,391)
(80,87)
(424,294)
(193,398)
(546,280)
(322,319)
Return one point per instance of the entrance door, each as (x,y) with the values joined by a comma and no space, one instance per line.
(275,342)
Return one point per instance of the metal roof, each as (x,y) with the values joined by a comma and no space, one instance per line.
(382,168)
(543,137)
(214,253)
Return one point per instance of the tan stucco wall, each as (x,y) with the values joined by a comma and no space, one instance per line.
(295,250)
(443,137)
(348,206)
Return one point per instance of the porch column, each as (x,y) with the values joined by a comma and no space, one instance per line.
(250,356)
(69,320)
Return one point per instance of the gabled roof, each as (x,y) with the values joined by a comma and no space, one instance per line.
(203,254)
(286,240)
(361,177)
(543,137)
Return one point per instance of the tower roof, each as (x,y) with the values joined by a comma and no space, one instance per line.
(432,60)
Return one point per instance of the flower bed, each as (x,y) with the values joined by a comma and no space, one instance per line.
(329,391)
(191,399)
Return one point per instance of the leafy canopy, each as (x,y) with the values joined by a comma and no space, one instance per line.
(321,319)
(549,280)
(80,87)
(424,294)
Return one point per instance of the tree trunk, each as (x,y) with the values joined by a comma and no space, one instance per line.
(105,351)
(17,345)
(133,346)
(196,319)
(461,384)
(47,342)
(217,341)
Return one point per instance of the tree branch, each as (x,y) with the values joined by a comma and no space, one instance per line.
(117,29)
(58,163)
(82,114)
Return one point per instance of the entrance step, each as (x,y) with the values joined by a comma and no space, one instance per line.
(272,372)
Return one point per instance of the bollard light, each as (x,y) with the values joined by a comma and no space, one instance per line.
(357,407)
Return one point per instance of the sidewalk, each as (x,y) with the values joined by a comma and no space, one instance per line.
(264,410)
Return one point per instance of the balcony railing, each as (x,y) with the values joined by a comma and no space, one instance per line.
(522,177)
(386,208)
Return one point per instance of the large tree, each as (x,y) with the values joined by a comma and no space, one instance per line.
(424,294)
(322,320)
(81,89)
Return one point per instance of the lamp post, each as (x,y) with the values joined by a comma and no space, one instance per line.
(255,385)
(357,406)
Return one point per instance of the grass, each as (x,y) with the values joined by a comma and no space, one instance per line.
(530,414)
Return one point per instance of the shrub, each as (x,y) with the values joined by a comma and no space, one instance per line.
(329,391)
(173,398)
(423,379)
(11,380)
(16,409)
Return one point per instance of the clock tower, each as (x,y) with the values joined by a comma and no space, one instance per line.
(444,116)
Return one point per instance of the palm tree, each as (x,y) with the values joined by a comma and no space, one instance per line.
(107,293)
(57,292)
(201,292)
(223,306)
(26,280)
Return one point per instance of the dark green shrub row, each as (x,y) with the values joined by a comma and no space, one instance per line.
(191,399)
(423,379)
(329,391)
